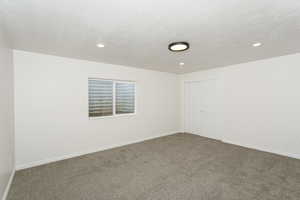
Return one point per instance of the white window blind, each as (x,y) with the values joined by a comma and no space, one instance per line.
(125,101)
(109,97)
(100,98)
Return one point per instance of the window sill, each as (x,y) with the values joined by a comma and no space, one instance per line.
(113,116)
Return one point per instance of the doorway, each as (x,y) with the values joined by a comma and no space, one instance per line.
(200,108)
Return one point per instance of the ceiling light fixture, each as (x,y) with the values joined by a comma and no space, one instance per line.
(100,45)
(179,46)
(258,44)
(181,64)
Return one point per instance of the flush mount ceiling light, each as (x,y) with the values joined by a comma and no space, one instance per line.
(258,44)
(181,64)
(179,46)
(100,45)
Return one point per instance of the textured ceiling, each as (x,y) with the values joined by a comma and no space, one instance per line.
(137,32)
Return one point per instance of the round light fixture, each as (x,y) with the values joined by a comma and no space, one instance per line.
(258,44)
(100,45)
(179,46)
(181,64)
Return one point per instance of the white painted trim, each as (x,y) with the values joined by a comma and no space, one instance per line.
(296,156)
(72,155)
(8,185)
(291,155)
(114,114)
(185,83)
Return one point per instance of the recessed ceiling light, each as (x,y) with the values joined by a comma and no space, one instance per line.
(181,64)
(100,45)
(258,44)
(179,46)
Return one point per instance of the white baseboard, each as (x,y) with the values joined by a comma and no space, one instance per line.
(291,155)
(55,159)
(8,185)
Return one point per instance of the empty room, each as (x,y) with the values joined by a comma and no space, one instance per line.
(149,100)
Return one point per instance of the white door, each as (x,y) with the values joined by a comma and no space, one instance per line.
(200,108)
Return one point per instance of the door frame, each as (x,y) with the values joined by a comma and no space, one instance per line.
(185,82)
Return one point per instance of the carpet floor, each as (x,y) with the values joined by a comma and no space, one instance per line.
(176,167)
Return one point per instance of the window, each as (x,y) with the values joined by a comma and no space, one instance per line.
(125,97)
(100,98)
(109,97)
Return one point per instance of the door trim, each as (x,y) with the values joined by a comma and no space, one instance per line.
(185,82)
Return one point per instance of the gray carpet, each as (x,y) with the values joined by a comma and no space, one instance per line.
(176,167)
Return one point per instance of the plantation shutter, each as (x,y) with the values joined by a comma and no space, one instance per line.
(125,97)
(100,97)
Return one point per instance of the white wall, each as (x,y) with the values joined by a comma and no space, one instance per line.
(52,108)
(258,103)
(6,114)
(258,106)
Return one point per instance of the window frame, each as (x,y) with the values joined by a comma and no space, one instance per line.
(114,114)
